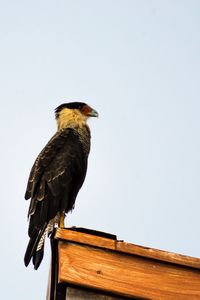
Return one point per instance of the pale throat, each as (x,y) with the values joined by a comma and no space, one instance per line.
(68,117)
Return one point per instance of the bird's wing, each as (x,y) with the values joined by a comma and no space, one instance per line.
(56,175)
(43,159)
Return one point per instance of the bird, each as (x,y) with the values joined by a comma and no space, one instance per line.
(57,176)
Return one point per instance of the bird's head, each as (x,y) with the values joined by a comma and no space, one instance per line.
(73,112)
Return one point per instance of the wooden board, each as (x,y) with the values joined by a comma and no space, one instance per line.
(125,274)
(158,254)
(80,294)
(84,238)
(93,240)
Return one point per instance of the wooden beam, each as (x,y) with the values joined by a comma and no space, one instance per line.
(127,275)
(121,246)
(84,238)
(97,262)
(161,255)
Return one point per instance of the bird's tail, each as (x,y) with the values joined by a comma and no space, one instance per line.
(35,248)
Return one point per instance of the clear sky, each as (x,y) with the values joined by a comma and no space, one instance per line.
(138,64)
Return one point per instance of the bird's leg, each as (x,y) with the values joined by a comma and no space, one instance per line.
(62,218)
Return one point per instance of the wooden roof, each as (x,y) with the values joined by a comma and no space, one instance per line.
(98,261)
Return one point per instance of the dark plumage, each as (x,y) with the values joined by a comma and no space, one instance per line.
(57,176)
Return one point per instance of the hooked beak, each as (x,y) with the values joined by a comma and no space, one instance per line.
(93,113)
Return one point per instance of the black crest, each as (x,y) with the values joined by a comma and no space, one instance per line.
(70,105)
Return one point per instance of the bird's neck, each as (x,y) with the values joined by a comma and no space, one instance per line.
(70,118)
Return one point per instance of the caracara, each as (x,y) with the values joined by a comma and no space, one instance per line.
(57,176)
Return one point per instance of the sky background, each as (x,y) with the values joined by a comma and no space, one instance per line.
(138,64)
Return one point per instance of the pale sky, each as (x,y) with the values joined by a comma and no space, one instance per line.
(138,64)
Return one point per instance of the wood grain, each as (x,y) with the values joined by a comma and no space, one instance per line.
(124,274)
(92,240)
(84,238)
(158,254)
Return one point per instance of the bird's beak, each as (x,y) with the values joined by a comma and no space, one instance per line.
(93,113)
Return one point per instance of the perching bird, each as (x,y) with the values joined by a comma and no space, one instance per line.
(57,176)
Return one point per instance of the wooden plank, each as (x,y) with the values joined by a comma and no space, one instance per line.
(80,294)
(88,239)
(84,238)
(127,275)
(158,254)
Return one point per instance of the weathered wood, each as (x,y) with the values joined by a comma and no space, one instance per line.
(88,239)
(97,262)
(80,294)
(84,238)
(158,254)
(126,274)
